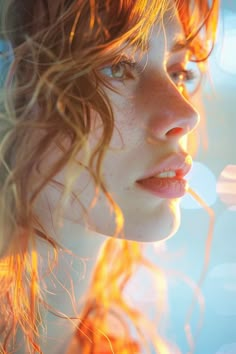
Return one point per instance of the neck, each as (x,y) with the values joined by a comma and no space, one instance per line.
(67,283)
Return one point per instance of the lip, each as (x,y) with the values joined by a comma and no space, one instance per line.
(174,187)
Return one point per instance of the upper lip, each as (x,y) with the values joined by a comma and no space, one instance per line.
(180,163)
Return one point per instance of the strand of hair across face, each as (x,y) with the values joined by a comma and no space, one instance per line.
(206,261)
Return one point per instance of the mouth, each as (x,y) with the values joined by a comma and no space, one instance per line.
(166,179)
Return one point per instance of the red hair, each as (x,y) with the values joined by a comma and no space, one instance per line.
(51,88)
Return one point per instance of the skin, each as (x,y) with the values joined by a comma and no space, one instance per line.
(146,115)
(152,120)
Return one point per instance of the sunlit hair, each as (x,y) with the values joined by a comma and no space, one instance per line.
(50,92)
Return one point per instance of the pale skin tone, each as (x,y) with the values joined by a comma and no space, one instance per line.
(153,119)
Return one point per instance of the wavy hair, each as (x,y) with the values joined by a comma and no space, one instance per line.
(50,90)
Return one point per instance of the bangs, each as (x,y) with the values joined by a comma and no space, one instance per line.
(199,20)
(110,22)
(87,25)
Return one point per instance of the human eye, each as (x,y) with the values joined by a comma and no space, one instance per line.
(121,70)
(187,78)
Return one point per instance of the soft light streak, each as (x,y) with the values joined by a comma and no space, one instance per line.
(226,185)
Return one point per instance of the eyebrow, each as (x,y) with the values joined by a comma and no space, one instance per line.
(180,43)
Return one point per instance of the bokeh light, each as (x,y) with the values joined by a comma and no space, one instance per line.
(203,182)
(229,348)
(226,186)
(220,289)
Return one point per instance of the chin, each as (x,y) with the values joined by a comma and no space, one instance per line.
(149,224)
(154,235)
(156,227)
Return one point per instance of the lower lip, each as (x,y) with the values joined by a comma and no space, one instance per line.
(165,187)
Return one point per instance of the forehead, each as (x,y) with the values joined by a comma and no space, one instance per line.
(166,32)
(169,30)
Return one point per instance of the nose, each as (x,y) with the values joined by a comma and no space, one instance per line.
(173,116)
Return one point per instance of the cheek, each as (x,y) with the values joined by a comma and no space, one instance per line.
(129,126)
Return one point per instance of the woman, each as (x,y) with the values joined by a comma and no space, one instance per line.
(95,115)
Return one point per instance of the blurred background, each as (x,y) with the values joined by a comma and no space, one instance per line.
(213,177)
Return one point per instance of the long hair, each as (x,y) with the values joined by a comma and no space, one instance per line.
(50,90)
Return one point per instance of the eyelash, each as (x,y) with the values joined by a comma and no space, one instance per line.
(188,74)
(132,70)
(186,80)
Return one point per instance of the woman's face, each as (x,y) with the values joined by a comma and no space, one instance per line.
(153,117)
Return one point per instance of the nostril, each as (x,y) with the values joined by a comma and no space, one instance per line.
(175,131)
